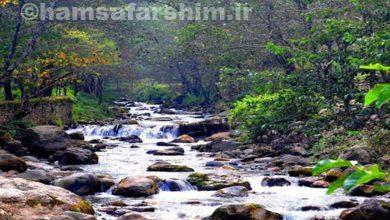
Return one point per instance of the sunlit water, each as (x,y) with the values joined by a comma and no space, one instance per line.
(123,161)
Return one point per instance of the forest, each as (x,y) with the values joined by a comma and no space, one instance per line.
(244,109)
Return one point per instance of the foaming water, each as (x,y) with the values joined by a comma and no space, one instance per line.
(177,198)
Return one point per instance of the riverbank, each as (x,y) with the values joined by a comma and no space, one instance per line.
(145,163)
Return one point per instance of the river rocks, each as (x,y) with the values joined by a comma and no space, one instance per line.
(106,183)
(76,135)
(218,146)
(234,191)
(164,144)
(297,171)
(218,136)
(291,160)
(11,162)
(204,128)
(131,139)
(163,166)
(185,139)
(275,181)
(175,185)
(132,216)
(368,210)
(214,164)
(136,187)
(243,211)
(344,204)
(357,153)
(307,181)
(44,140)
(173,151)
(311,208)
(333,175)
(12,146)
(75,156)
(37,176)
(166,111)
(366,191)
(211,182)
(320,184)
(73,216)
(81,183)
(23,199)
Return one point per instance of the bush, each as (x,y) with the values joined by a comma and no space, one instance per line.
(257,114)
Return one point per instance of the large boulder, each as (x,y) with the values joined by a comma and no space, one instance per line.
(204,128)
(172,151)
(136,187)
(9,144)
(368,210)
(212,182)
(234,191)
(11,162)
(185,139)
(75,156)
(37,176)
(218,146)
(357,153)
(23,199)
(80,183)
(163,166)
(43,139)
(77,136)
(244,212)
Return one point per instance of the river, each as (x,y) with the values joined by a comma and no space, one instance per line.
(123,161)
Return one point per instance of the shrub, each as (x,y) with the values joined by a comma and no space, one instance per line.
(257,114)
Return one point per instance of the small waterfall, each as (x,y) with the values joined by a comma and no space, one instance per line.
(145,133)
(175,185)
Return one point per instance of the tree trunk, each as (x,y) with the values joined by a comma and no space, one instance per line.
(8,90)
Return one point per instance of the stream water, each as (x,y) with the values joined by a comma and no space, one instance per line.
(123,161)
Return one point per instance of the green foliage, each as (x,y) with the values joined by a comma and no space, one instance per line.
(380,94)
(86,108)
(256,114)
(358,176)
(150,91)
(192,100)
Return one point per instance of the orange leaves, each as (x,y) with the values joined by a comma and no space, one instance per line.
(62,55)
(5,2)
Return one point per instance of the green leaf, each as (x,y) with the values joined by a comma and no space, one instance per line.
(375,67)
(326,165)
(362,176)
(336,184)
(383,97)
(380,94)
(383,189)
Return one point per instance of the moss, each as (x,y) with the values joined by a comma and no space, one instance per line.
(84,207)
(197,179)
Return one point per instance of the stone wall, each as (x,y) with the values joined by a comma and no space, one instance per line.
(44,111)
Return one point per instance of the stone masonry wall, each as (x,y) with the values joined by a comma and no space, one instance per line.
(45,111)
